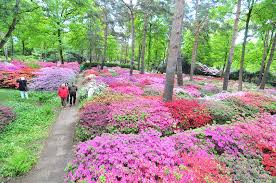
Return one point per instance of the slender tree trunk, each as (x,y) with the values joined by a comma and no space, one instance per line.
(12,48)
(194,52)
(6,53)
(243,47)
(12,25)
(139,56)
(60,44)
(173,49)
(132,41)
(105,42)
(232,48)
(267,68)
(224,64)
(179,71)
(265,53)
(144,42)
(149,47)
(126,56)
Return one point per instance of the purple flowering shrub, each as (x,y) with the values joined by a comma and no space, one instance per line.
(148,158)
(50,78)
(131,115)
(6,116)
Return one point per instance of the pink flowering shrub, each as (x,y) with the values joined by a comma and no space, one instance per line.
(126,116)
(50,78)
(69,65)
(192,90)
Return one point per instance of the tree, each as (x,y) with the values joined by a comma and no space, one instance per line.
(232,48)
(130,7)
(144,42)
(270,60)
(248,16)
(173,49)
(12,25)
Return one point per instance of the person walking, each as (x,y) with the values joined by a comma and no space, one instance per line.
(67,99)
(23,87)
(73,94)
(63,94)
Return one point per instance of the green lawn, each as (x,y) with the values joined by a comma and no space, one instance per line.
(22,140)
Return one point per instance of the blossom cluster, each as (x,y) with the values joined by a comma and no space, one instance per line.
(195,156)
(47,77)
(133,136)
(50,78)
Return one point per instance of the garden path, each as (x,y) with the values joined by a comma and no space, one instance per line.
(57,151)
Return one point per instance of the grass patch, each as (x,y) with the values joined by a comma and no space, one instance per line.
(21,141)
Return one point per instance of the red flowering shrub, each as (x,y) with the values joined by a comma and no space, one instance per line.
(205,169)
(94,118)
(269,158)
(8,78)
(6,116)
(189,113)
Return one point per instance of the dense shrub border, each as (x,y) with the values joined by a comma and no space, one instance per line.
(21,141)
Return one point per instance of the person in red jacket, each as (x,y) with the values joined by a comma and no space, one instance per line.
(63,94)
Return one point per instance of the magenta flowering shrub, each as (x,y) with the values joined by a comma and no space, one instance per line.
(50,78)
(75,66)
(186,156)
(126,116)
(13,66)
(132,90)
(132,158)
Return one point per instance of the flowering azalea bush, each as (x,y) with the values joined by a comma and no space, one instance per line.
(69,65)
(8,78)
(189,113)
(50,78)
(213,154)
(6,116)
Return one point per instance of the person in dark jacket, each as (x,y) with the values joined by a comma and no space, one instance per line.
(73,94)
(23,87)
(67,85)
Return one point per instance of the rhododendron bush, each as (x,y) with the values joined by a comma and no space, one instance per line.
(187,156)
(10,72)
(50,79)
(129,134)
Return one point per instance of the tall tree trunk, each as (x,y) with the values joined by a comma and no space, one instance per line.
(243,46)
(149,47)
(12,25)
(126,56)
(60,44)
(12,48)
(262,86)
(6,53)
(265,53)
(144,42)
(173,49)
(232,48)
(132,41)
(105,42)
(224,63)
(194,52)
(139,56)
(179,72)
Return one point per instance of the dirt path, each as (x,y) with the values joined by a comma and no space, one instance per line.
(57,151)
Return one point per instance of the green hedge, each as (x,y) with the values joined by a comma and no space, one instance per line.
(88,65)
